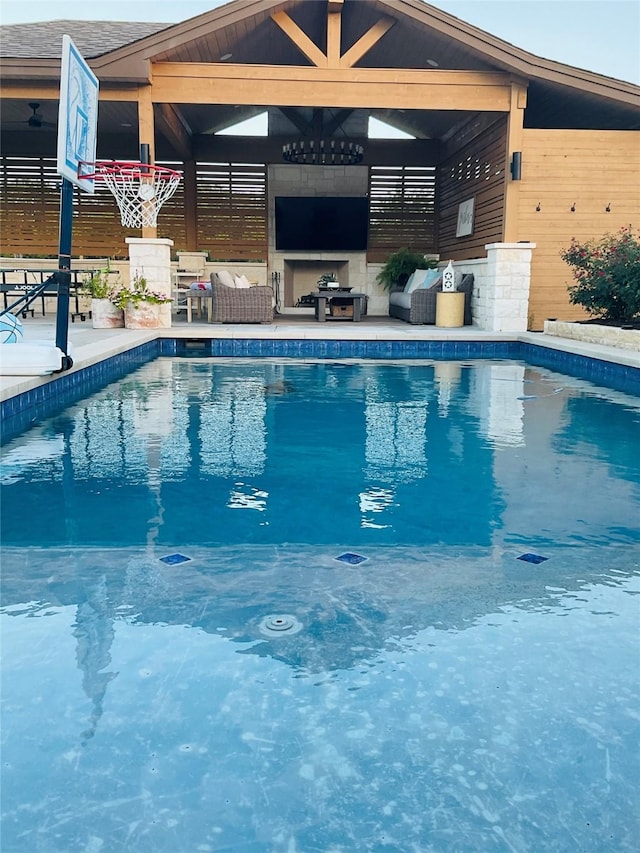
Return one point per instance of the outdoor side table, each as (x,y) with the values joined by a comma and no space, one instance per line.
(449,309)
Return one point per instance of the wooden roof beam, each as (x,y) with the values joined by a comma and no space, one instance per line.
(366,42)
(174,127)
(334,33)
(301,40)
(317,125)
(296,119)
(302,86)
(337,121)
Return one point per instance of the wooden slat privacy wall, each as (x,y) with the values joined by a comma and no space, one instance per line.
(30,213)
(476,171)
(402,210)
(171,219)
(232,211)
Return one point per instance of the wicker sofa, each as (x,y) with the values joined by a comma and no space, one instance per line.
(240,305)
(419,307)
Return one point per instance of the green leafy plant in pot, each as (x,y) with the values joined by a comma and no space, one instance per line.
(103,290)
(99,284)
(400,265)
(143,307)
(138,294)
(328,282)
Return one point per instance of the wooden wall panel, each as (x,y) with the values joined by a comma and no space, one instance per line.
(172,217)
(590,169)
(475,171)
(402,210)
(29,206)
(30,213)
(232,211)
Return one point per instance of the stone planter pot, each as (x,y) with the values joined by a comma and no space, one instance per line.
(105,315)
(145,315)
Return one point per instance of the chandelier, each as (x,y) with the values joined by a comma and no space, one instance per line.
(323,152)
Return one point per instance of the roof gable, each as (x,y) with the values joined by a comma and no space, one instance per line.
(244,32)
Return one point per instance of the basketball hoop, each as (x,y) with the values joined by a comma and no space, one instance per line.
(140,189)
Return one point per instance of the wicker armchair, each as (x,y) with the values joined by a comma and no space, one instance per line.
(240,305)
(419,307)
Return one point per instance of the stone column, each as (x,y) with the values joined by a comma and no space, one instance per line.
(504,305)
(151,258)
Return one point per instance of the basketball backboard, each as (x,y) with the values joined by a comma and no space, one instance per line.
(77,117)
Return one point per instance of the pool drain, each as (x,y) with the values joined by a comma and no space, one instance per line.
(280,624)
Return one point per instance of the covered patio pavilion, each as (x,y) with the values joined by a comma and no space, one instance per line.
(541,151)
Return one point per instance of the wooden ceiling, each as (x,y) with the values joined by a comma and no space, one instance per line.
(245,33)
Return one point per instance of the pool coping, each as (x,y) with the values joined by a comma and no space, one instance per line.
(111,343)
(104,359)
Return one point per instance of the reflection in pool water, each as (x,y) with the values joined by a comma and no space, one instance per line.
(441,695)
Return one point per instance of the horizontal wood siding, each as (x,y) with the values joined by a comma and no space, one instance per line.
(402,210)
(591,169)
(171,218)
(29,206)
(232,211)
(475,171)
(231,206)
(30,213)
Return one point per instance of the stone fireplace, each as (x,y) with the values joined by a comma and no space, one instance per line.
(296,273)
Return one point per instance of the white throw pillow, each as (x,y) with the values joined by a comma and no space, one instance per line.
(242,281)
(225,277)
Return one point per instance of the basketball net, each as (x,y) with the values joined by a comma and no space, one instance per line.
(139,189)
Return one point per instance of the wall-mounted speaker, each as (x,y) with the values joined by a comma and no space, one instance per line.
(516,165)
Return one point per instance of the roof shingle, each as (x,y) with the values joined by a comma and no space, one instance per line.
(43,40)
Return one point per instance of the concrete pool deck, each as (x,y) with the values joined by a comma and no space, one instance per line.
(91,346)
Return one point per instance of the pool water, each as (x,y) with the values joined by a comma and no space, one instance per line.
(323,606)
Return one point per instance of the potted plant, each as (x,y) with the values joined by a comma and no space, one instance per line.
(400,265)
(105,314)
(328,281)
(142,306)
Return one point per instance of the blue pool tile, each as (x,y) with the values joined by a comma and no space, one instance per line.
(532,558)
(175,559)
(351,559)
(18,413)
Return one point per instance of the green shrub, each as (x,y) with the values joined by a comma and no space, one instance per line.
(607,276)
(400,265)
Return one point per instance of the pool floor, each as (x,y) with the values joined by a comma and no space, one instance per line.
(323,607)
(449,700)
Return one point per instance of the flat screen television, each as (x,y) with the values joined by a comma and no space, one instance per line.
(322,223)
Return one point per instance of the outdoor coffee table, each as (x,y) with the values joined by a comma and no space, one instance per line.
(344,298)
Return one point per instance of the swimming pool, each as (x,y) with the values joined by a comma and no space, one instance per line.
(292,605)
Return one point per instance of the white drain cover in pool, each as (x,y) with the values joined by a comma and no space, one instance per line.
(280,624)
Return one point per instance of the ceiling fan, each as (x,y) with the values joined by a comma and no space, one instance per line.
(36,119)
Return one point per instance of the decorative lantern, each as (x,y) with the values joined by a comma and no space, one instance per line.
(448,278)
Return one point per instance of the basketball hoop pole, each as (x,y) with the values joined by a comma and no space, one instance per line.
(63,276)
(77,131)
